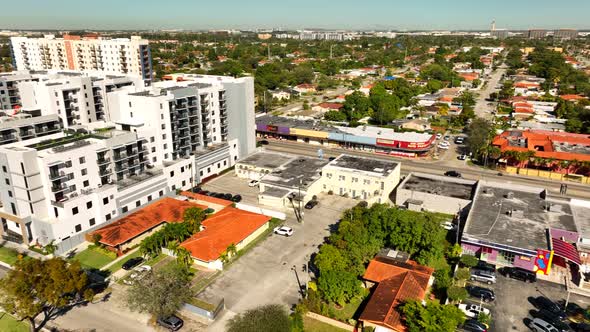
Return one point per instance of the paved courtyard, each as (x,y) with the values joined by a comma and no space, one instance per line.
(230,183)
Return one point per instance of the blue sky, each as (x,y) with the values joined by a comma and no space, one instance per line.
(332,14)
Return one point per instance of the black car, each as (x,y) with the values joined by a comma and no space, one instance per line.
(236,198)
(311,204)
(473,325)
(331,158)
(487,295)
(485,266)
(217,195)
(204,192)
(264,142)
(453,174)
(544,304)
(518,274)
(173,323)
(581,327)
(227,197)
(132,262)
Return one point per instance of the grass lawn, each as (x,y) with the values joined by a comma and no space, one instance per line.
(8,255)
(117,266)
(10,324)
(347,312)
(314,325)
(93,258)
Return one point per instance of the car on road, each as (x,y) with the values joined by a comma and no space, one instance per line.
(518,274)
(438,136)
(283,230)
(172,323)
(462,156)
(539,325)
(472,310)
(311,204)
(253,183)
(453,174)
(447,137)
(236,198)
(459,140)
(483,276)
(448,225)
(443,147)
(543,303)
(485,294)
(473,325)
(264,142)
(131,263)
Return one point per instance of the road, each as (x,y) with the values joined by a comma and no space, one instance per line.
(435,167)
(481,106)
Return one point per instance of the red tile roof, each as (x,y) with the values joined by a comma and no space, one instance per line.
(125,229)
(525,84)
(398,282)
(227,226)
(331,106)
(543,142)
(572,97)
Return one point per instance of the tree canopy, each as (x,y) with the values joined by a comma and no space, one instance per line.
(480,133)
(270,317)
(433,317)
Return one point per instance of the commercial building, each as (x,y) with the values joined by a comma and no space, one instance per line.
(565,34)
(376,139)
(128,56)
(537,34)
(500,33)
(435,193)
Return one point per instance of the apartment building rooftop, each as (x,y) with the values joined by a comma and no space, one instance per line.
(270,160)
(363,164)
(300,172)
(439,185)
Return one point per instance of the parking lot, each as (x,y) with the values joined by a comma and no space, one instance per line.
(230,183)
(271,271)
(510,310)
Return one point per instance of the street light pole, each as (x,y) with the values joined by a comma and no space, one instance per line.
(300,199)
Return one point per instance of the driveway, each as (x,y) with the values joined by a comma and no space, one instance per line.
(265,274)
(511,308)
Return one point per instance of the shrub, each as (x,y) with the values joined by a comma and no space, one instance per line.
(469,261)
(455,293)
(484,318)
(462,273)
(442,279)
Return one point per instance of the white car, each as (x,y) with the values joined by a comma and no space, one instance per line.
(138,273)
(449,226)
(443,147)
(253,183)
(462,157)
(283,230)
(446,143)
(472,310)
(438,136)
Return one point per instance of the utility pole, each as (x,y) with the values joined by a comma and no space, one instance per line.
(300,200)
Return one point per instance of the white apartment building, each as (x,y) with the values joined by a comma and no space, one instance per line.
(9,92)
(129,56)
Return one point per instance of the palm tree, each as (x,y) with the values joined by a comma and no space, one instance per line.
(224,257)
(193,217)
(231,250)
(183,257)
(564,164)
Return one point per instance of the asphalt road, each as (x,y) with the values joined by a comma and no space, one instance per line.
(434,167)
(481,106)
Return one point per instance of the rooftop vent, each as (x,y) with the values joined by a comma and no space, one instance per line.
(509,195)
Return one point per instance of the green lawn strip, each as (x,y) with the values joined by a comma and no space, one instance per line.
(92,258)
(154,261)
(314,325)
(11,324)
(8,255)
(347,311)
(115,267)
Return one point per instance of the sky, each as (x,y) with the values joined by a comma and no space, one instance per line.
(294,14)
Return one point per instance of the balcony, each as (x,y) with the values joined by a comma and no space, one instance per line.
(104,171)
(59,187)
(59,175)
(5,138)
(102,161)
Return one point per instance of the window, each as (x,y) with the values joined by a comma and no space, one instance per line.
(173,187)
(78,228)
(75,210)
(218,165)
(124,209)
(355,180)
(208,169)
(201,173)
(86,183)
(225,163)
(163,126)
(149,198)
(137,204)
(84,171)
(164,136)
(89,205)
(367,181)
(161,193)
(171,174)
(108,217)
(182,169)
(92,222)
(154,159)
(183,183)
(341,177)
(131,114)
(9,193)
(507,256)
(152,139)
(165,146)
(153,149)
(161,107)
(105,200)
(486,250)
(7,181)
(329,175)
(13,208)
(4,169)
(129,104)
(82,160)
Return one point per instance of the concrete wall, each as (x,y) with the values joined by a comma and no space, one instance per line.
(266,212)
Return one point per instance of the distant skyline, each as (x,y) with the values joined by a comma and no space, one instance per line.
(343,14)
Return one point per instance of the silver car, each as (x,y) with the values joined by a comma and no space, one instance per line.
(483,276)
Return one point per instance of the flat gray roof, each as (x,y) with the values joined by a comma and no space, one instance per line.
(266,159)
(275,192)
(383,167)
(304,170)
(516,216)
(440,185)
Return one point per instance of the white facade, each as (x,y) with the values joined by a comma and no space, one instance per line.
(111,56)
(9,92)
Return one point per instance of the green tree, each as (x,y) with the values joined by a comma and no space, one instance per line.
(330,258)
(194,216)
(48,286)
(484,318)
(462,274)
(338,286)
(480,133)
(50,248)
(183,257)
(433,317)
(303,74)
(161,293)
(469,260)
(456,293)
(272,317)
(335,116)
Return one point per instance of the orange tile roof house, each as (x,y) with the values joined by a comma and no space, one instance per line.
(397,281)
(130,229)
(226,227)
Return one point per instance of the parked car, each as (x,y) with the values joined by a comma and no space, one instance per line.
(331,158)
(539,325)
(311,204)
(236,198)
(264,142)
(462,156)
(443,147)
(555,319)
(487,295)
(253,183)
(131,263)
(448,225)
(447,137)
(518,274)
(472,310)
(445,143)
(284,230)
(483,276)
(438,136)
(485,266)
(453,174)
(173,323)
(139,273)
(473,325)
(545,304)
(228,197)
(459,140)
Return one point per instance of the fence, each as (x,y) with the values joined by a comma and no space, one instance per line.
(266,212)
(548,175)
(204,309)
